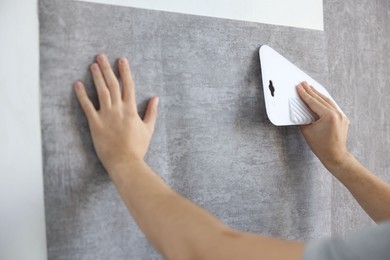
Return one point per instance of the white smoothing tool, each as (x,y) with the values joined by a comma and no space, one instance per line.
(280,78)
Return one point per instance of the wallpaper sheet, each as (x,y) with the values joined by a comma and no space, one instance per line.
(213,142)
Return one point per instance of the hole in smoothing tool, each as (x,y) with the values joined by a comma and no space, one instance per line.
(271,88)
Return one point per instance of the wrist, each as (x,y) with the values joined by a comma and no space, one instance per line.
(341,164)
(335,157)
(125,167)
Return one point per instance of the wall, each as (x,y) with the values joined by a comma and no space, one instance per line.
(22,222)
(358,34)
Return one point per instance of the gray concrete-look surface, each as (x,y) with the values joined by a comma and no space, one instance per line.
(358,35)
(213,142)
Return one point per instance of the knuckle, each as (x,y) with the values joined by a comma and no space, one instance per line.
(114,83)
(84,102)
(105,66)
(305,130)
(345,119)
(337,116)
(104,94)
(309,90)
(308,98)
(340,116)
(333,116)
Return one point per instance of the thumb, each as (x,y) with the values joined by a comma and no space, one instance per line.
(151,113)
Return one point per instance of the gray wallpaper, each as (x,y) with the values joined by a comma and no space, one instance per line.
(358,34)
(213,142)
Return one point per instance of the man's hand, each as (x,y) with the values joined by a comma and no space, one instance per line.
(327,138)
(119,135)
(328,135)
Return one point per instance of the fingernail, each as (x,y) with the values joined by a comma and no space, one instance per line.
(123,61)
(157,101)
(77,85)
(101,57)
(94,67)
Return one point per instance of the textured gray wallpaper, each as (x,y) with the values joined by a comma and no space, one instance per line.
(213,142)
(358,36)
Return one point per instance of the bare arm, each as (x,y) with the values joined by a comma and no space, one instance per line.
(178,228)
(327,138)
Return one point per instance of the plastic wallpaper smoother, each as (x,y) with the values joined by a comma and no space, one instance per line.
(213,142)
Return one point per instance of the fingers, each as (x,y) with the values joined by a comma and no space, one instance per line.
(101,87)
(151,113)
(312,101)
(325,98)
(109,77)
(309,89)
(108,88)
(128,91)
(85,102)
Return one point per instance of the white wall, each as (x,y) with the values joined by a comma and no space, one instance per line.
(298,13)
(22,225)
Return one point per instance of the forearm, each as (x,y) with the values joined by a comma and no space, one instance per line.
(175,226)
(372,193)
(179,229)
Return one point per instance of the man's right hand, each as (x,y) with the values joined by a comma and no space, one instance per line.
(328,135)
(327,138)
